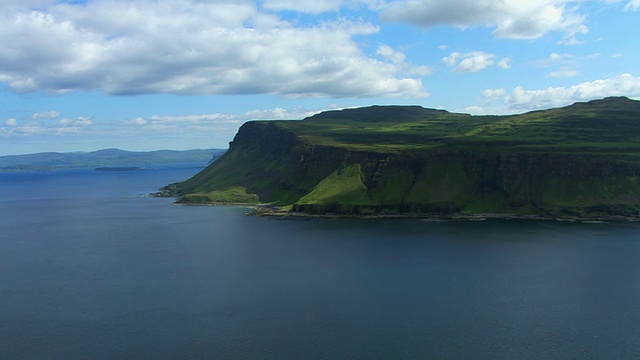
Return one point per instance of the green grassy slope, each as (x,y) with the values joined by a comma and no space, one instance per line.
(608,125)
(579,160)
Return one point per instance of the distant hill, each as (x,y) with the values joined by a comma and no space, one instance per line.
(104,159)
(580,161)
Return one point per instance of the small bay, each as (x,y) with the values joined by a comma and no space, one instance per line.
(92,268)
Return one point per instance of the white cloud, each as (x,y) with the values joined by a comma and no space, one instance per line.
(505,63)
(190,47)
(81,121)
(181,131)
(512,19)
(521,99)
(52,114)
(473,61)
(567,64)
(37,129)
(212,130)
(632,5)
(181,119)
(305,6)
(139,121)
(564,73)
(34,125)
(474,110)
(422,70)
(84,121)
(452,59)
(398,58)
(320,6)
(494,93)
(387,52)
(278,114)
(555,59)
(222,118)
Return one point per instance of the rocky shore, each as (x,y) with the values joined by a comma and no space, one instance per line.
(278,212)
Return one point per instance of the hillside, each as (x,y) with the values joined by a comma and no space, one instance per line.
(581,160)
(104,158)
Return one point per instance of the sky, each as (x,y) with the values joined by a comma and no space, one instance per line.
(183,74)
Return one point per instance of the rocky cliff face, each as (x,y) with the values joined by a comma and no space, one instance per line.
(278,165)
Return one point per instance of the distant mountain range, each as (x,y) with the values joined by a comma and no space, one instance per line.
(104,159)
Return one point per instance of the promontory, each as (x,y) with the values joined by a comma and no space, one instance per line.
(580,161)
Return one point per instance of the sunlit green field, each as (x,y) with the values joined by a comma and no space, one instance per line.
(597,128)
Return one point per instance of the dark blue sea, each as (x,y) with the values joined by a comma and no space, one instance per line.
(92,268)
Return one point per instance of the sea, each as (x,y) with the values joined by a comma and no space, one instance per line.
(93,268)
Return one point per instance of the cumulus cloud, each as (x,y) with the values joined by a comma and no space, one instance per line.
(474,110)
(189,47)
(320,6)
(494,93)
(216,119)
(52,114)
(474,61)
(305,6)
(214,129)
(422,70)
(452,59)
(279,114)
(566,64)
(555,59)
(398,58)
(42,123)
(38,129)
(632,5)
(521,99)
(386,51)
(512,19)
(505,63)
(81,121)
(138,121)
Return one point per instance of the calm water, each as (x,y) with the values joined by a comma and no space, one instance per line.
(90,268)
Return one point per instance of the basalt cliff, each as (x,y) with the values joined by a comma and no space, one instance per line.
(579,161)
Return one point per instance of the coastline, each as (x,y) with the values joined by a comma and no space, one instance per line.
(272,211)
(436,217)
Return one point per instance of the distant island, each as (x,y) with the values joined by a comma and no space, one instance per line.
(105,160)
(576,162)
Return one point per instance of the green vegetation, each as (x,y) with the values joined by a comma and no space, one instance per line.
(343,191)
(342,186)
(581,160)
(227,196)
(597,126)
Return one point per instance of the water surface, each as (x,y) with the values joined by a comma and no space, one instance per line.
(92,268)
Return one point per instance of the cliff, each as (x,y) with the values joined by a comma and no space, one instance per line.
(580,161)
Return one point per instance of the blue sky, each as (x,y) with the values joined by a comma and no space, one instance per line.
(183,74)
